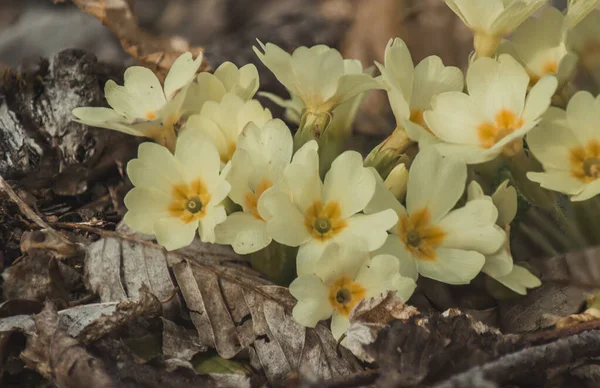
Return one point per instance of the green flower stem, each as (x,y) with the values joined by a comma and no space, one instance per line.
(519,165)
(312,126)
(389,153)
(277,262)
(587,215)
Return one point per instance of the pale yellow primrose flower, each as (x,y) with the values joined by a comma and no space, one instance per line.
(318,75)
(312,214)
(176,194)
(142,107)
(257,165)
(430,238)
(490,20)
(538,44)
(568,146)
(499,265)
(493,118)
(410,89)
(228,78)
(578,10)
(584,39)
(344,275)
(223,121)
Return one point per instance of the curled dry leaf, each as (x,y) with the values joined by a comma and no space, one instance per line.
(567,281)
(59,357)
(157,53)
(231,306)
(429,348)
(369,317)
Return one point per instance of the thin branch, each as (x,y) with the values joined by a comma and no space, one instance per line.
(29,213)
(519,364)
(157,53)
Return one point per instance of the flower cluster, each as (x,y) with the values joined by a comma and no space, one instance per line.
(225,169)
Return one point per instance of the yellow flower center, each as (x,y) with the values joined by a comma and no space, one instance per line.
(344,294)
(505,123)
(231,147)
(585,161)
(549,67)
(189,201)
(324,222)
(420,237)
(251,200)
(416,116)
(151,115)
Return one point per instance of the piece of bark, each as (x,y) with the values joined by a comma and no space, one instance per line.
(39,140)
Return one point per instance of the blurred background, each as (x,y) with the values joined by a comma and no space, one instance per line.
(227,29)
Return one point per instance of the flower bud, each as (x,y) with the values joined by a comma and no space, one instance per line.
(397,181)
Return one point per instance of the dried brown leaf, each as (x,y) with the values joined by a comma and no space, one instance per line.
(59,357)
(369,317)
(567,280)
(429,348)
(231,306)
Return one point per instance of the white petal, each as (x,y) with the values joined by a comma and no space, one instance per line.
(455,118)
(519,280)
(144,87)
(172,233)
(307,155)
(280,64)
(551,140)
(155,167)
(498,85)
(393,246)
(452,266)
(382,274)
(399,68)
(214,216)
(433,78)
(338,261)
(349,184)
(558,181)
(304,185)
(144,207)
(383,198)
(287,223)
(477,14)
(199,157)
(419,134)
(498,264)
(308,255)
(270,146)
(473,227)
(339,325)
(350,85)
(182,72)
(505,200)
(313,304)
(583,114)
(538,99)
(514,14)
(372,228)
(210,129)
(435,182)
(590,190)
(468,154)
(105,118)
(244,232)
